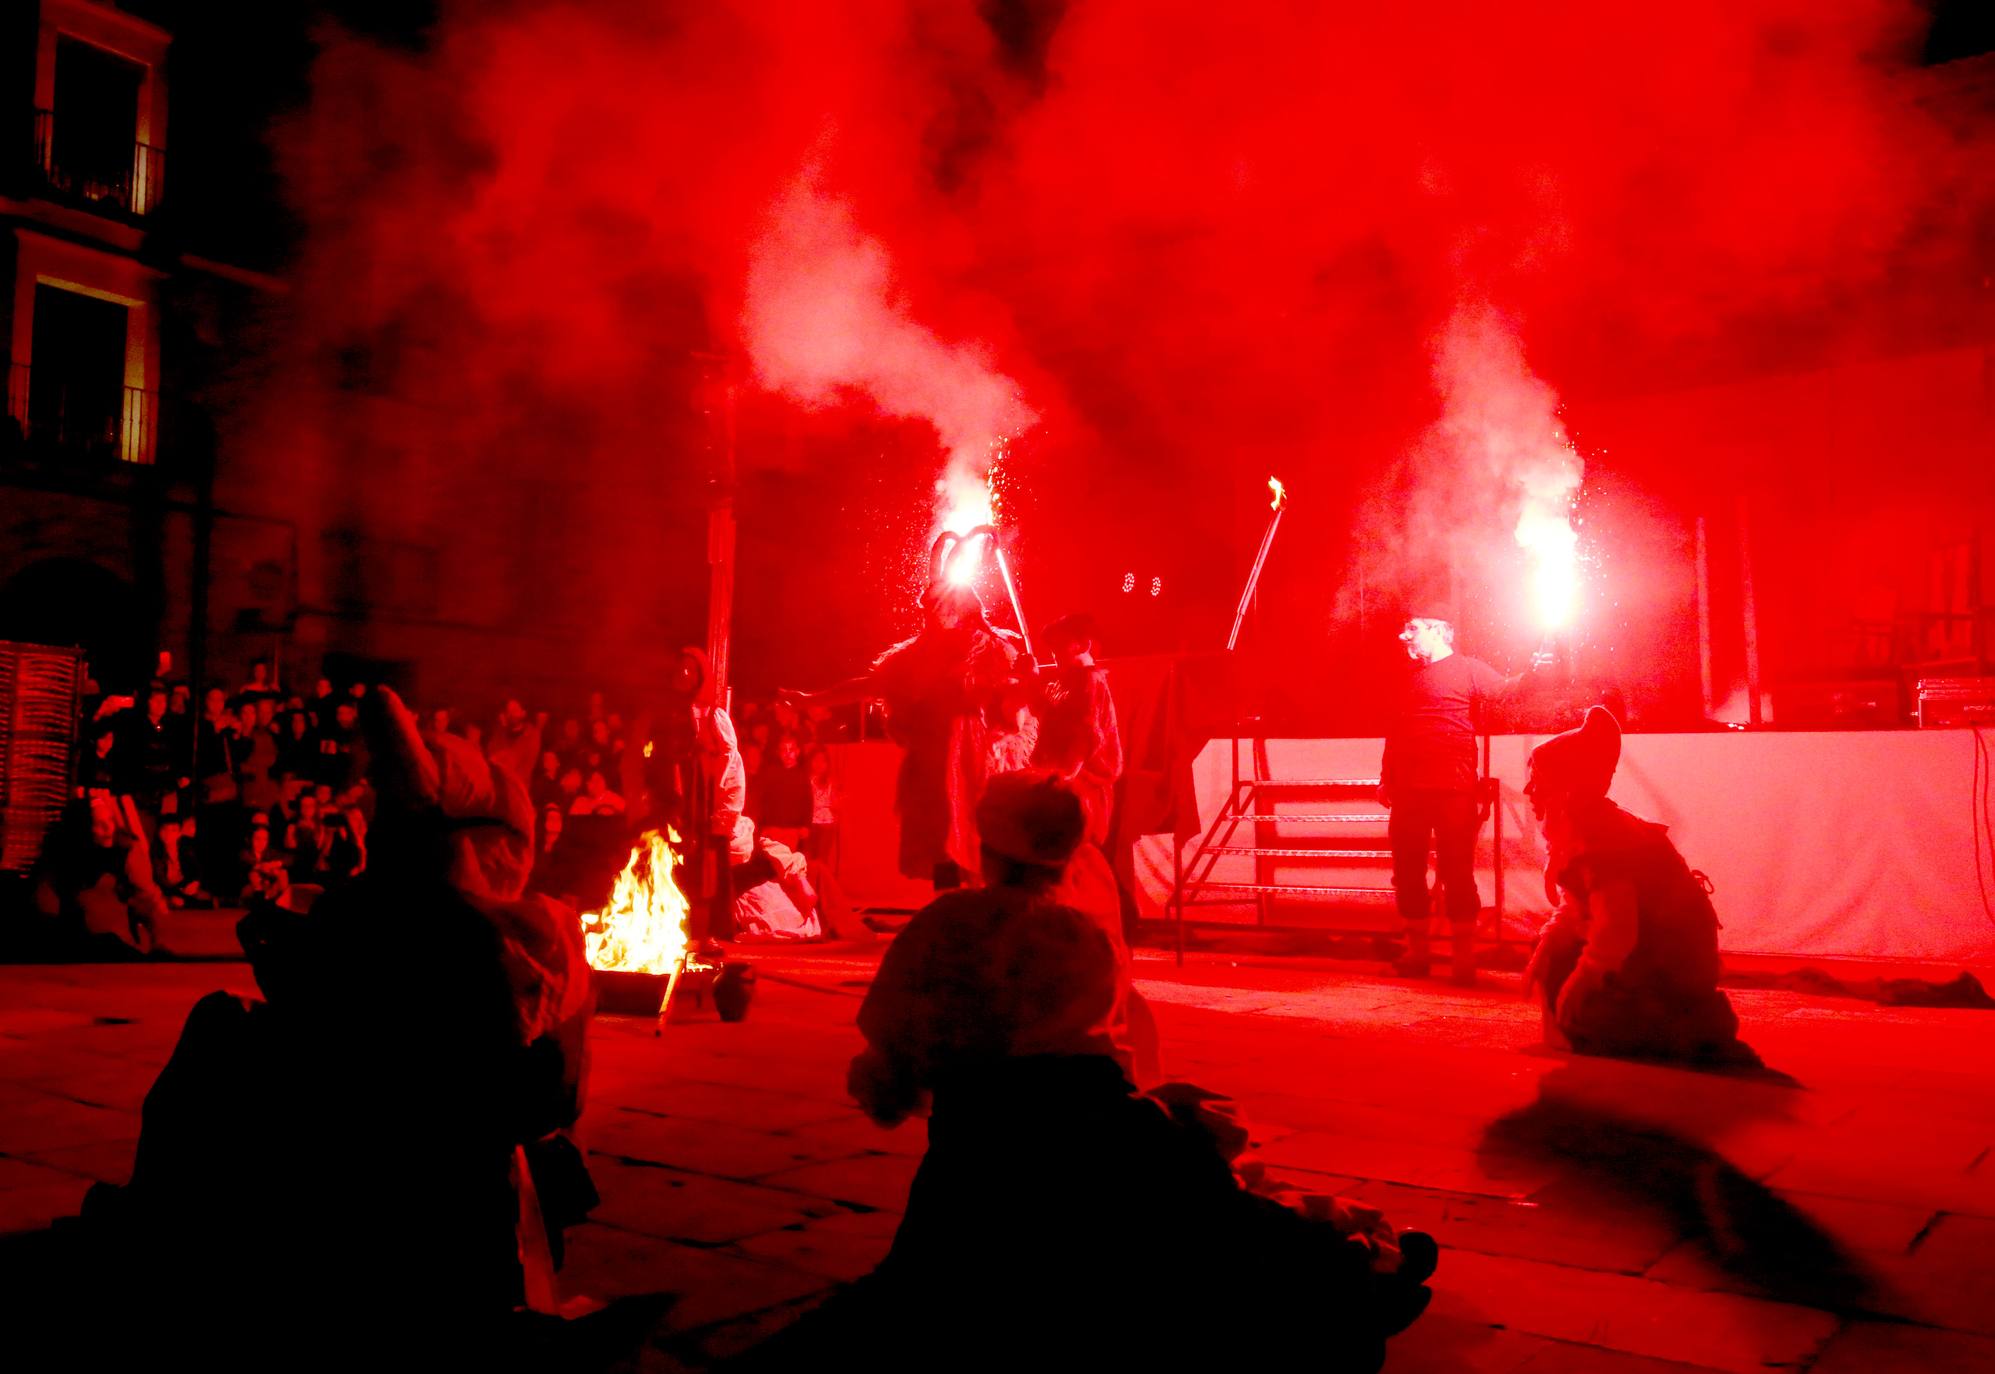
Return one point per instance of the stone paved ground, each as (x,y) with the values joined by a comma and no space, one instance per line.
(1594,1216)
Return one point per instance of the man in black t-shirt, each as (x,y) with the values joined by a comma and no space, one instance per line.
(1428,779)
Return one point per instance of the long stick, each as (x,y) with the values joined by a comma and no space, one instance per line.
(671,986)
(1254,577)
(1004,569)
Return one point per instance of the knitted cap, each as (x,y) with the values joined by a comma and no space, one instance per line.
(1580,762)
(1031,817)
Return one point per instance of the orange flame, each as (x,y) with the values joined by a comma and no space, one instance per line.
(1278,492)
(643,929)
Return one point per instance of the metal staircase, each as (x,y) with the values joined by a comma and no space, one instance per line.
(1345,828)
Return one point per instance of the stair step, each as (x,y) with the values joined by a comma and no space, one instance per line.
(1266,852)
(1370,784)
(1300,890)
(1319,817)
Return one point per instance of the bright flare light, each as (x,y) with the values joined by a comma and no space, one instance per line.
(643,929)
(1548,538)
(1278,492)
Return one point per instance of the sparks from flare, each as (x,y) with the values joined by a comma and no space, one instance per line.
(643,928)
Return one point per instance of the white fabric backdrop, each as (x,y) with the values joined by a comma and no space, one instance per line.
(1853,844)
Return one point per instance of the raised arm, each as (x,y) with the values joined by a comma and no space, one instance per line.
(847,693)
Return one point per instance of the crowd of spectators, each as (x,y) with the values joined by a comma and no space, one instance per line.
(262,791)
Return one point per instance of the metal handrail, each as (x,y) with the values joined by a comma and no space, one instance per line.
(134,189)
(95,422)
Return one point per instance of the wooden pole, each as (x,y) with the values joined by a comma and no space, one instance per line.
(1704,616)
(1751,612)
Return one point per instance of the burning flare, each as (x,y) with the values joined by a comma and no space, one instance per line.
(1277,492)
(1548,538)
(643,929)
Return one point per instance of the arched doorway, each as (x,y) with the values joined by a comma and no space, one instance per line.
(75,601)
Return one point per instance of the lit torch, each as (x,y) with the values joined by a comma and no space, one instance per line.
(1278,503)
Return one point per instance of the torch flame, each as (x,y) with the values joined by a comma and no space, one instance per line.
(1278,491)
(643,929)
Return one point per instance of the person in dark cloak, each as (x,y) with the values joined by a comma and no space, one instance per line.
(1628,964)
(938,687)
(1078,734)
(1059,1218)
(337,1170)
(690,774)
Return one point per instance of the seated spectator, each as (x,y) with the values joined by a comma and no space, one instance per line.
(100,774)
(95,879)
(154,770)
(338,1170)
(342,852)
(571,788)
(773,897)
(304,838)
(779,795)
(545,785)
(514,740)
(215,736)
(597,799)
(825,800)
(439,721)
(1057,1210)
(569,746)
(255,753)
(554,865)
(336,745)
(176,863)
(297,751)
(266,868)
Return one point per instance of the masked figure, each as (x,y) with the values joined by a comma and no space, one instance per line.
(1629,963)
(347,1157)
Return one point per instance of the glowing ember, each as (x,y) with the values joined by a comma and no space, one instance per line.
(1546,534)
(643,929)
(1278,492)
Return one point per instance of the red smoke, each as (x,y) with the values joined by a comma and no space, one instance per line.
(1203,241)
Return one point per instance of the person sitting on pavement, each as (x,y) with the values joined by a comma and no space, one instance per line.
(1628,964)
(773,895)
(1059,1217)
(96,880)
(342,1167)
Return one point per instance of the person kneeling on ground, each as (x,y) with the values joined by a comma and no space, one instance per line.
(1628,965)
(1059,1216)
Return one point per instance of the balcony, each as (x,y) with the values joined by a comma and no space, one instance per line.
(123,179)
(70,420)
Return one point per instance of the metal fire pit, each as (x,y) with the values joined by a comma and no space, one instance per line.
(691,992)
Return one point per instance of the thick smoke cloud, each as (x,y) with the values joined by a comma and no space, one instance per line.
(1201,242)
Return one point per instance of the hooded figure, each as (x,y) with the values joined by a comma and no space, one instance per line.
(346,1157)
(1629,963)
(939,687)
(1060,1218)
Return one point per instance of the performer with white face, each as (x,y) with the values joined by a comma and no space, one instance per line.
(1428,779)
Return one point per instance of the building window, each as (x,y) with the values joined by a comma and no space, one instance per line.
(71,397)
(100,108)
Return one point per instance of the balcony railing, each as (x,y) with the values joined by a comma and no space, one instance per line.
(130,185)
(67,417)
